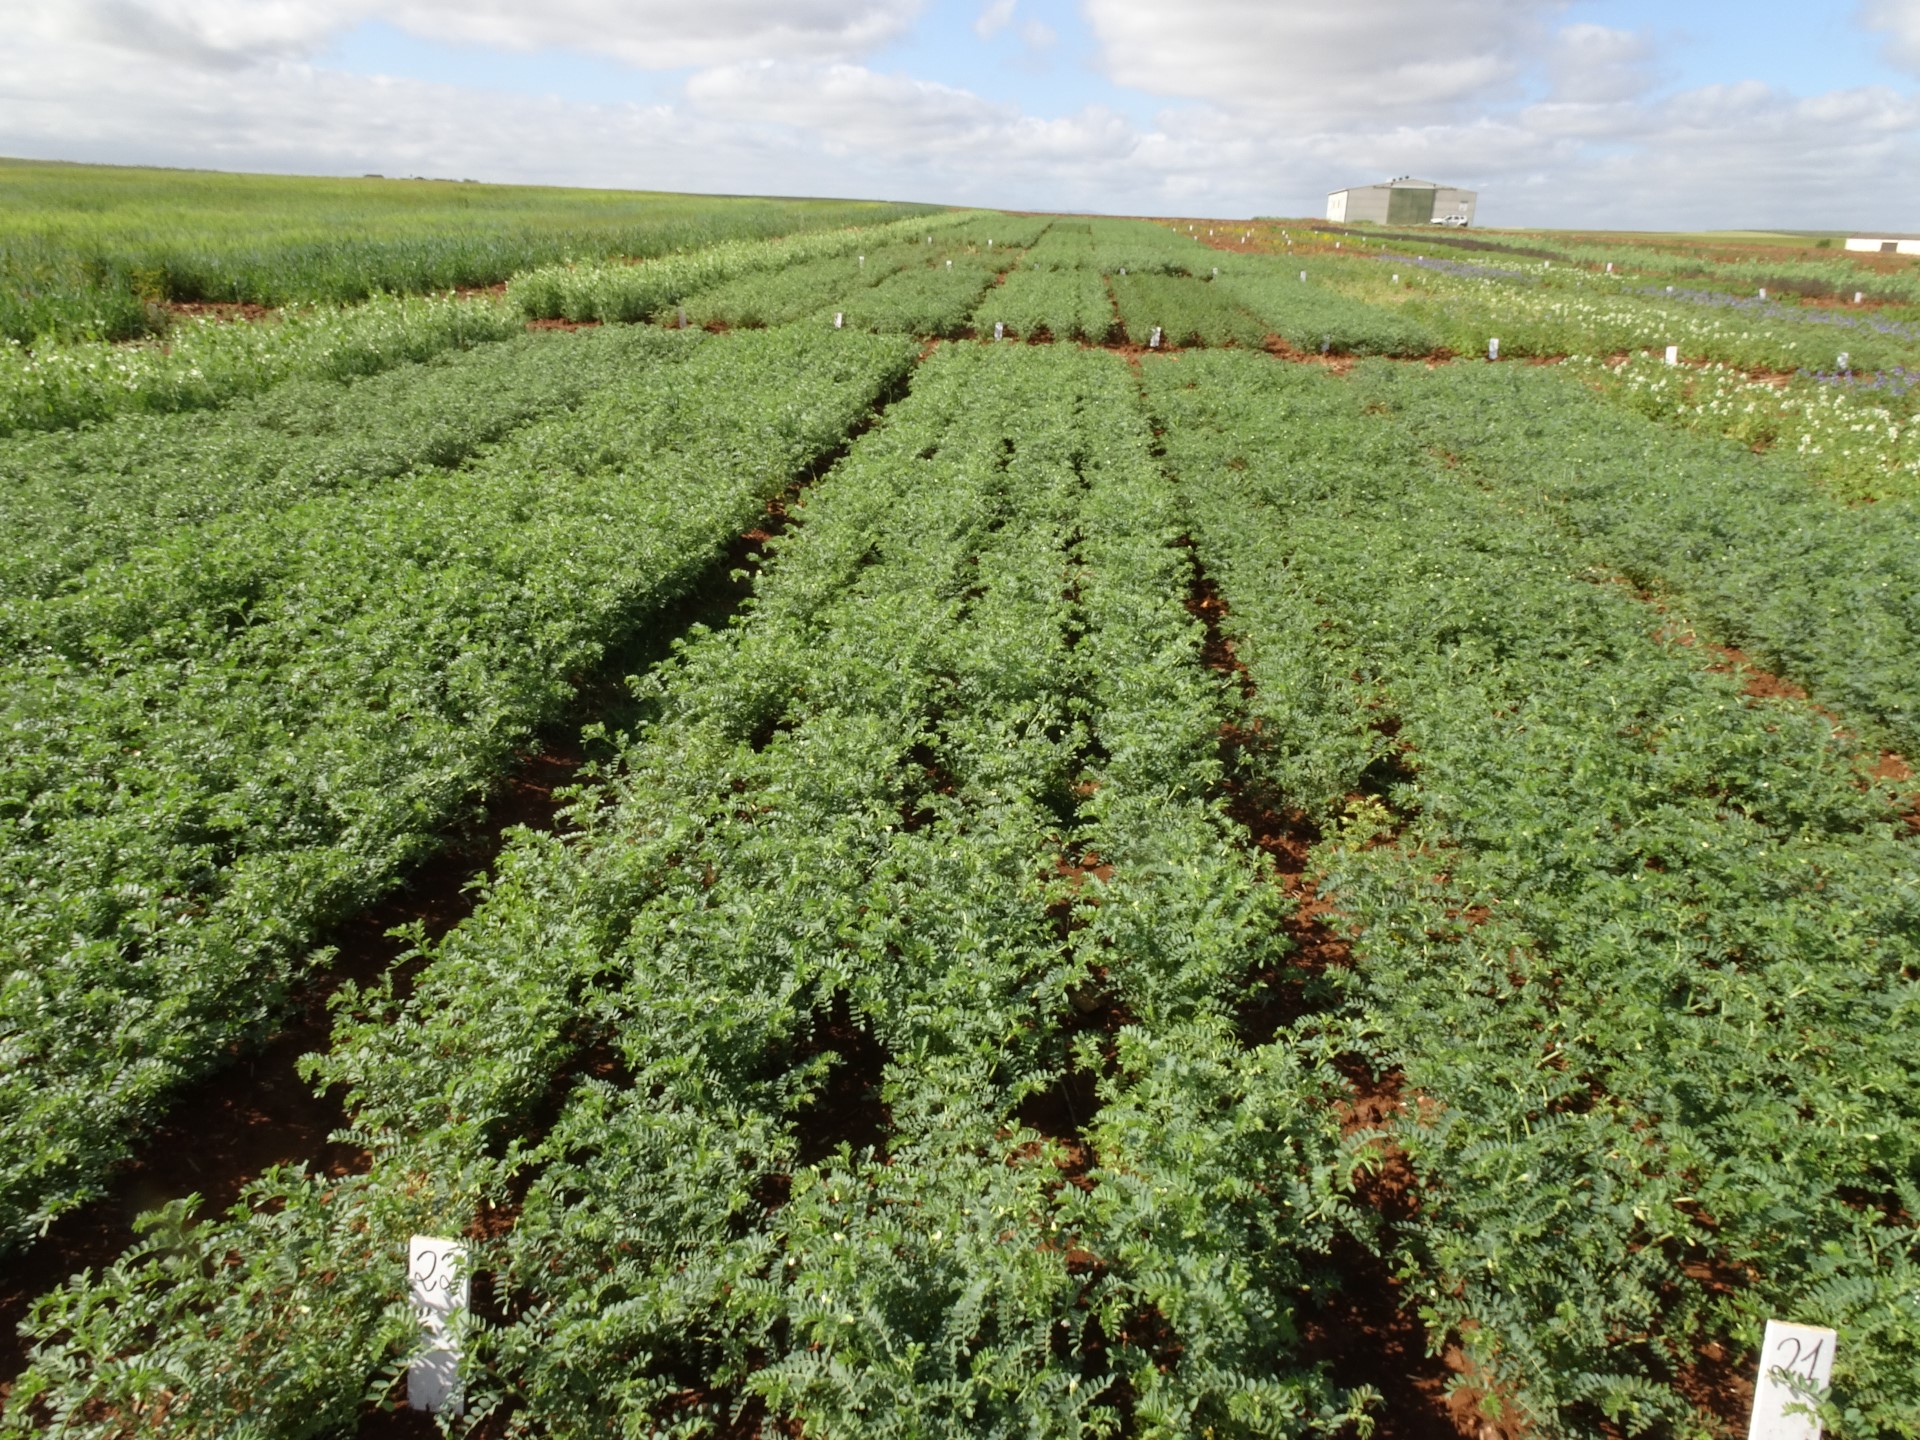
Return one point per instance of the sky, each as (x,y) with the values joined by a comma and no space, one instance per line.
(1640,114)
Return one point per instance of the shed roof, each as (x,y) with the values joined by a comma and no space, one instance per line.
(1400,182)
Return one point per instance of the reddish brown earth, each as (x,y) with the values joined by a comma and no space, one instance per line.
(1281,349)
(219,311)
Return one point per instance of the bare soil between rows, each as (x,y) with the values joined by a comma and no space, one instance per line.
(1366,1332)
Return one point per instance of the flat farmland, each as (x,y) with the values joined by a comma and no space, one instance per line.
(947,823)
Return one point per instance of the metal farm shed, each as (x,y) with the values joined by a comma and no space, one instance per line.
(1405,201)
(1885,244)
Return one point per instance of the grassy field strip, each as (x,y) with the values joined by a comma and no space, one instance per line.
(930,300)
(1056,304)
(920,851)
(95,251)
(1858,439)
(70,499)
(261,722)
(1745,546)
(1186,311)
(1168,282)
(1793,269)
(1646,947)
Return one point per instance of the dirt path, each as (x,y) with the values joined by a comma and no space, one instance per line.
(1366,1332)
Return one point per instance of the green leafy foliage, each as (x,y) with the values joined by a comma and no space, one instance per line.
(205,363)
(625,292)
(858,824)
(71,499)
(1186,312)
(1620,936)
(249,728)
(1051,304)
(1824,594)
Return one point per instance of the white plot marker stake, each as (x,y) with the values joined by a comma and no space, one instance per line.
(839,316)
(999,329)
(1804,1353)
(1763,292)
(1303,277)
(1153,341)
(1673,354)
(1493,349)
(1858,296)
(1609,267)
(437,1288)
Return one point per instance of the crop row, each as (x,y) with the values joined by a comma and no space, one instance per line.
(72,498)
(1640,947)
(1566,311)
(1851,422)
(1795,274)
(1827,595)
(1861,438)
(867,1056)
(206,363)
(1191,294)
(1033,303)
(624,292)
(799,291)
(241,732)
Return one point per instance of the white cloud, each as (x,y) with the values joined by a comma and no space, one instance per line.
(1573,152)
(846,104)
(1039,35)
(1899,21)
(647,34)
(1592,64)
(1356,59)
(994,17)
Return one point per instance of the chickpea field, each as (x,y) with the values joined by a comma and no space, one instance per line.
(938,823)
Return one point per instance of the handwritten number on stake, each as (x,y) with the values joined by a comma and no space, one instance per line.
(1796,1362)
(437,1288)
